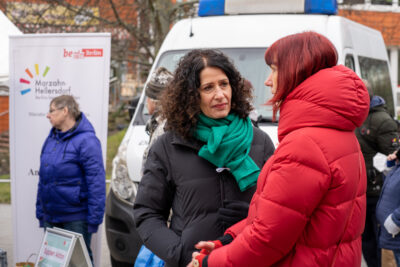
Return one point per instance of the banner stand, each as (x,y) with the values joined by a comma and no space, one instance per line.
(63,248)
(44,66)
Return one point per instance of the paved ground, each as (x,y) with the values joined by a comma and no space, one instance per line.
(6,241)
(6,231)
(6,238)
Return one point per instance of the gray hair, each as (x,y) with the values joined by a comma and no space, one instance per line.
(68,101)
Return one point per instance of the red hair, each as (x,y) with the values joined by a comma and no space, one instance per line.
(297,57)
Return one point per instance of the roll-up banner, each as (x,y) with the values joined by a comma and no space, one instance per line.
(43,66)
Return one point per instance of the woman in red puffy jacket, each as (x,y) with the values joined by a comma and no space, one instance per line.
(309,207)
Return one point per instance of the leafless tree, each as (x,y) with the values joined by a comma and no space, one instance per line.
(137,26)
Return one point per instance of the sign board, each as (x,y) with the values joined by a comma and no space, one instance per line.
(43,66)
(62,248)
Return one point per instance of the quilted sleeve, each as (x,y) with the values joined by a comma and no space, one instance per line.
(39,210)
(298,180)
(388,136)
(153,204)
(92,163)
(235,229)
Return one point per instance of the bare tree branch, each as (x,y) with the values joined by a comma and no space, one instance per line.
(138,27)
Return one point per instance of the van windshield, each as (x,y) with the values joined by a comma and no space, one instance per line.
(249,62)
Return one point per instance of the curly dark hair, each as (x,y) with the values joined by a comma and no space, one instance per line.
(180,102)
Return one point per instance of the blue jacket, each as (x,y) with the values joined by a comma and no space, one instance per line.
(389,202)
(72,177)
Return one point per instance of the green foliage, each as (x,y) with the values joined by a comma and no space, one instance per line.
(118,118)
(5,188)
(113,142)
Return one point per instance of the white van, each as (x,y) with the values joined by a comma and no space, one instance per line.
(244,38)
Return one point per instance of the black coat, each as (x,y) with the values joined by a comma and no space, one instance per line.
(377,134)
(176,177)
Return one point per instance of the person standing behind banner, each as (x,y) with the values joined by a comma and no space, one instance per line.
(377,134)
(309,207)
(205,166)
(71,190)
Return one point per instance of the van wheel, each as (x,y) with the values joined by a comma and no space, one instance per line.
(115,263)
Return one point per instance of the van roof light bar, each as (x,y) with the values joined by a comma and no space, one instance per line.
(230,7)
(211,8)
(328,7)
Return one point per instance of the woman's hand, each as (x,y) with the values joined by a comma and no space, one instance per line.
(205,247)
(392,156)
(390,226)
(192,264)
(233,211)
(197,259)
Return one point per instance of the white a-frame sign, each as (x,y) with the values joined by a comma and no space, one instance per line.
(62,248)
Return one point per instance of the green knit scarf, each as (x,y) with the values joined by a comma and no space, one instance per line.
(228,142)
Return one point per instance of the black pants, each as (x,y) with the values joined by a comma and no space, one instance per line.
(370,248)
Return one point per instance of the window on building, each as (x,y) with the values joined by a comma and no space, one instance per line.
(381,2)
(352,2)
(376,71)
(374,2)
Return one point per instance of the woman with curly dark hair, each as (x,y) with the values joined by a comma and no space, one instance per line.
(205,166)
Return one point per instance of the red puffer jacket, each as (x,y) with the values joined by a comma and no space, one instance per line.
(306,190)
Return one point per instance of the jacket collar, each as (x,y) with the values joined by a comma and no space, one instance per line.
(82,125)
(378,108)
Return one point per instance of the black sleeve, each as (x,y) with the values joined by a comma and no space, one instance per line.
(225,239)
(204,263)
(387,137)
(269,147)
(152,207)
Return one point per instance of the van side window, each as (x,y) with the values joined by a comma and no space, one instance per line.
(376,71)
(381,2)
(350,2)
(349,62)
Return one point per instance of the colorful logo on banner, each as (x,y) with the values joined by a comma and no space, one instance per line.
(28,82)
(41,85)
